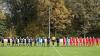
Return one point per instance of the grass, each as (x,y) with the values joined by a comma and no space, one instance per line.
(49,51)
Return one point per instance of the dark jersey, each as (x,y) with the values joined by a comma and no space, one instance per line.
(23,40)
(57,39)
(43,40)
(35,40)
(27,40)
(2,40)
(20,40)
(31,40)
(13,40)
(16,40)
(8,40)
(48,40)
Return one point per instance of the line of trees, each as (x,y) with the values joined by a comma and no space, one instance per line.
(30,17)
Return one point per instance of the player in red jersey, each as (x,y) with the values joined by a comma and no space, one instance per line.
(90,41)
(87,41)
(93,41)
(71,41)
(97,41)
(64,41)
(80,41)
(76,41)
(84,41)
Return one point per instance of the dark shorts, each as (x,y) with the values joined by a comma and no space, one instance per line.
(2,41)
(48,42)
(8,41)
(57,41)
(13,42)
(30,42)
(23,41)
(16,42)
(53,40)
(26,42)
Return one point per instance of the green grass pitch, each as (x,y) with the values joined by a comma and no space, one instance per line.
(49,51)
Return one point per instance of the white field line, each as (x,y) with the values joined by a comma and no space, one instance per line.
(58,52)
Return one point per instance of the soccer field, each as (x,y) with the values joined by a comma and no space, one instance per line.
(49,51)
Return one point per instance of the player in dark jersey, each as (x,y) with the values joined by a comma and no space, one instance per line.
(23,40)
(43,41)
(2,41)
(16,41)
(20,41)
(27,41)
(48,41)
(13,40)
(35,41)
(8,41)
(57,40)
(31,40)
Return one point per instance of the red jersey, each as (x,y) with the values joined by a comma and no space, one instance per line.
(80,39)
(64,41)
(84,40)
(87,40)
(71,40)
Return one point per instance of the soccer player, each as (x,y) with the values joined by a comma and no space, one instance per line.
(8,41)
(57,40)
(40,41)
(27,41)
(64,41)
(80,41)
(84,41)
(23,40)
(97,41)
(31,40)
(16,41)
(87,41)
(43,41)
(20,41)
(93,40)
(90,41)
(35,41)
(71,41)
(2,41)
(53,40)
(13,40)
(68,41)
(76,41)
(48,41)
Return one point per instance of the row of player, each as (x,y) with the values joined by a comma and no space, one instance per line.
(72,41)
